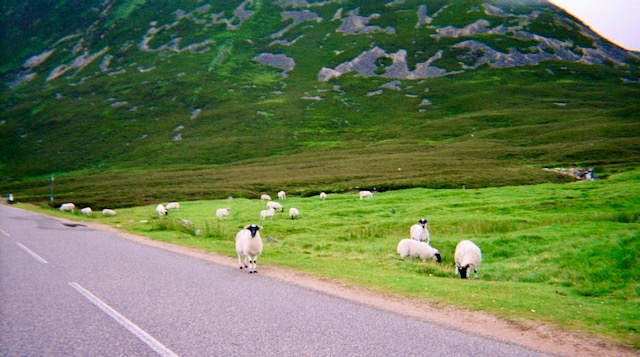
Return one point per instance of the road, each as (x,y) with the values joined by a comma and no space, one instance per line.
(78,291)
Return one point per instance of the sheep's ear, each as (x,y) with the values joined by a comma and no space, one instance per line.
(259,227)
(247,226)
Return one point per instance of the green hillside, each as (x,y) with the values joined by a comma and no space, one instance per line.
(134,101)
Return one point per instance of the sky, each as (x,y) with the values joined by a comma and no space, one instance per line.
(616,20)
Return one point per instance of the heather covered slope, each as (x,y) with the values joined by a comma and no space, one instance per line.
(481,86)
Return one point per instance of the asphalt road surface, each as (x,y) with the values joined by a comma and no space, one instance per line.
(76,291)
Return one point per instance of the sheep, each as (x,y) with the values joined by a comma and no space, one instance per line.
(108,212)
(366,194)
(67,207)
(267,213)
(275,205)
(282,195)
(249,245)
(162,211)
(265,198)
(420,231)
(173,205)
(222,213)
(468,255)
(323,196)
(415,249)
(293,213)
(87,211)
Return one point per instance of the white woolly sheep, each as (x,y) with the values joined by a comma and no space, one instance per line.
(267,213)
(67,207)
(249,246)
(282,195)
(293,213)
(468,255)
(108,212)
(415,249)
(275,205)
(173,205)
(265,198)
(222,213)
(366,194)
(323,196)
(87,211)
(162,211)
(420,231)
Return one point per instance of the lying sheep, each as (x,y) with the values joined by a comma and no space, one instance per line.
(265,198)
(468,255)
(366,194)
(108,212)
(293,213)
(173,205)
(323,196)
(414,249)
(282,195)
(420,231)
(275,205)
(87,211)
(267,213)
(67,207)
(249,246)
(222,213)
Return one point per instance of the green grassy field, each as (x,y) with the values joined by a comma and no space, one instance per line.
(564,254)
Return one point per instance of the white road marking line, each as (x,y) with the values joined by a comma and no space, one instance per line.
(5,233)
(133,328)
(34,255)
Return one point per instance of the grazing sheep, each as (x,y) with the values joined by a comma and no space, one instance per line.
(162,211)
(67,207)
(267,213)
(108,212)
(366,194)
(275,205)
(282,195)
(293,213)
(222,213)
(414,249)
(323,196)
(87,211)
(173,205)
(420,231)
(249,245)
(265,198)
(468,255)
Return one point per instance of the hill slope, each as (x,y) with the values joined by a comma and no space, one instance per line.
(480,85)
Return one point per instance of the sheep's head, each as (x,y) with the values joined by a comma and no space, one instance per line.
(423,222)
(253,228)
(437,256)
(463,271)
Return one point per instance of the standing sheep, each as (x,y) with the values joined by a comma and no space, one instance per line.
(222,213)
(265,198)
(282,195)
(67,207)
(293,213)
(267,213)
(275,205)
(468,255)
(173,205)
(249,246)
(414,249)
(420,231)
(366,194)
(323,196)
(162,211)
(87,211)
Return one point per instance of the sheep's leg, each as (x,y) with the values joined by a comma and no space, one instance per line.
(239,261)
(253,265)
(476,271)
